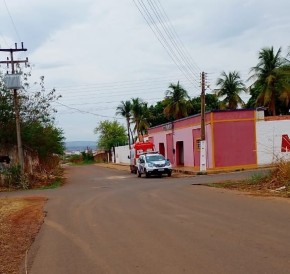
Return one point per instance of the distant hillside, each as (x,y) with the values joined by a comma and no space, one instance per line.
(80,145)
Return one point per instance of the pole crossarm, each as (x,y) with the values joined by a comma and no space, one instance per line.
(13,50)
(18,61)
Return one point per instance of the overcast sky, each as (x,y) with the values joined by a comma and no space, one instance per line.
(97,53)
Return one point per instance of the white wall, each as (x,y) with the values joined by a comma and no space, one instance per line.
(122,154)
(269,139)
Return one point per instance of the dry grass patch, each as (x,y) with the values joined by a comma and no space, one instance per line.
(20,220)
(275,183)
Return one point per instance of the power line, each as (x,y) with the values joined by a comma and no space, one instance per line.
(93,95)
(160,37)
(175,56)
(12,21)
(87,112)
(115,93)
(170,34)
(118,84)
(166,38)
(175,34)
(175,47)
(124,88)
(110,102)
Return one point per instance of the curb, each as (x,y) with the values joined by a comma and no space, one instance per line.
(125,167)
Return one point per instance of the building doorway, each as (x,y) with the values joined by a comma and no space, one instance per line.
(169,147)
(162,149)
(179,153)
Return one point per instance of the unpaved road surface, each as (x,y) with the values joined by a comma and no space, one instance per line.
(111,222)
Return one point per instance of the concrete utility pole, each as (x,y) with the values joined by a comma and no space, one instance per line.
(203,159)
(12,62)
(202,107)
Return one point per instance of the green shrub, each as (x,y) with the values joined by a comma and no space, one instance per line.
(88,156)
(13,177)
(75,159)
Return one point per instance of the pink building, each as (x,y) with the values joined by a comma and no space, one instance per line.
(235,140)
(230,137)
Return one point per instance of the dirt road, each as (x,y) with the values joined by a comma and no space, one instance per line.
(111,222)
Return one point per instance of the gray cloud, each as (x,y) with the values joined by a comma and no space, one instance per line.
(105,51)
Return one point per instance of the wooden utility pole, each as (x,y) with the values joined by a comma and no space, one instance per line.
(12,62)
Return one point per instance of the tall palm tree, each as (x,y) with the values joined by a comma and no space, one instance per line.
(176,102)
(124,109)
(230,87)
(271,74)
(140,115)
(285,94)
(144,119)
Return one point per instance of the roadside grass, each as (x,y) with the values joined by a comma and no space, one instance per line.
(82,163)
(55,184)
(85,158)
(274,183)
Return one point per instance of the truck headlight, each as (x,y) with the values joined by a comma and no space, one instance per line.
(167,163)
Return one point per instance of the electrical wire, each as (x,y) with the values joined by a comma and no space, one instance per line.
(12,21)
(87,112)
(167,29)
(175,34)
(173,44)
(116,84)
(167,43)
(123,88)
(166,37)
(160,37)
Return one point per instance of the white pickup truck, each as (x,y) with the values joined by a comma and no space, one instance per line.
(153,164)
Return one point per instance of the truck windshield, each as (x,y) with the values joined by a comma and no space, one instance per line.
(153,158)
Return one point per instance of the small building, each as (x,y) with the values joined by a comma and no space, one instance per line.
(235,139)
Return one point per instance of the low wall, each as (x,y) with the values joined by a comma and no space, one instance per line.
(269,140)
(122,154)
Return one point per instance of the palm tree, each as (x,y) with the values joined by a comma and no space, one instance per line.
(144,119)
(124,109)
(230,85)
(285,94)
(272,78)
(140,115)
(176,102)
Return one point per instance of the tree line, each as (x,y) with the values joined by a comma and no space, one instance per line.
(40,136)
(270,90)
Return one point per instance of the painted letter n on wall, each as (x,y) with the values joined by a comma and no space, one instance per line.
(285,146)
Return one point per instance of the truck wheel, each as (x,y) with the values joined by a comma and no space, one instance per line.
(147,174)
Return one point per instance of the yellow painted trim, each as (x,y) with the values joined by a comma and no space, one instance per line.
(233,120)
(214,121)
(212,139)
(190,125)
